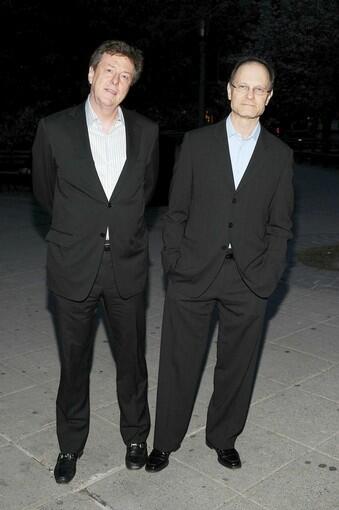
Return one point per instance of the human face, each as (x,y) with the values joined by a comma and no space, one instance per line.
(110,81)
(249,105)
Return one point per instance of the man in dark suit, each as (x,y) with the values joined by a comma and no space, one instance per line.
(225,239)
(94,169)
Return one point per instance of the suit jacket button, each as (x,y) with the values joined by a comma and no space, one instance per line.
(230,224)
(109,204)
(234,200)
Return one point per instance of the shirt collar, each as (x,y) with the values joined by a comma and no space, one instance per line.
(92,117)
(232,132)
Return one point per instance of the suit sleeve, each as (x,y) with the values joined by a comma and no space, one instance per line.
(179,206)
(152,168)
(44,169)
(279,227)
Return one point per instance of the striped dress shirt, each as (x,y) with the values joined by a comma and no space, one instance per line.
(108,148)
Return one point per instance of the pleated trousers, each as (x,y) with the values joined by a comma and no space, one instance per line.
(184,344)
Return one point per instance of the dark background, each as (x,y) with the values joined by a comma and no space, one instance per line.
(47,44)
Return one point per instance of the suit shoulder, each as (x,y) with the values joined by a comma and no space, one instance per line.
(202,133)
(60,116)
(276,143)
(141,119)
(205,130)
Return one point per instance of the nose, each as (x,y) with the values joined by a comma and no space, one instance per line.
(115,78)
(250,93)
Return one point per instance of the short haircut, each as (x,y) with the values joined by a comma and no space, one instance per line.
(119,48)
(258,60)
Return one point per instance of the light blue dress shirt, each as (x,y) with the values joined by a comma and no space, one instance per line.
(241,149)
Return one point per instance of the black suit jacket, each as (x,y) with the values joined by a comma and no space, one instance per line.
(66,184)
(206,212)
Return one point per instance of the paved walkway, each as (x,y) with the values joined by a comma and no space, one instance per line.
(290,446)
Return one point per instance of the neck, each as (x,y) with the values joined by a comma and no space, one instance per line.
(244,126)
(106,115)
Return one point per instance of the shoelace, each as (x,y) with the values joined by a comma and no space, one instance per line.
(68,456)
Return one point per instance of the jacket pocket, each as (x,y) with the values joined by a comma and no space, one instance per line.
(60,238)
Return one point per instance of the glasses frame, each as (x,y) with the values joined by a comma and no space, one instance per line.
(247,88)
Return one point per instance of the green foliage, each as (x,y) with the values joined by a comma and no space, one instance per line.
(301,38)
(17,132)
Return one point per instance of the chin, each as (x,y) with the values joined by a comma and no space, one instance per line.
(247,115)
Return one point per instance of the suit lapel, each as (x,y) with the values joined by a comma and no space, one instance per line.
(83,152)
(221,155)
(255,162)
(82,149)
(132,148)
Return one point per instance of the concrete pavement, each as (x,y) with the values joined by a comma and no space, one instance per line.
(290,446)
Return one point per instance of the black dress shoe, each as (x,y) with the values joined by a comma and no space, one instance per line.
(65,468)
(157,461)
(136,455)
(229,458)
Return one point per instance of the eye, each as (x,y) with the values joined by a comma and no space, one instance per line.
(125,77)
(260,91)
(243,88)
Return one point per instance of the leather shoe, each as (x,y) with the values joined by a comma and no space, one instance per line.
(136,455)
(157,461)
(229,458)
(65,468)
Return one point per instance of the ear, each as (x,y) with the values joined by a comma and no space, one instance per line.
(229,91)
(90,75)
(269,98)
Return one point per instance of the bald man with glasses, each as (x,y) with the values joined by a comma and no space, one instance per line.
(225,240)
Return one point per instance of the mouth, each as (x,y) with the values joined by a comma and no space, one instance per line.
(111,91)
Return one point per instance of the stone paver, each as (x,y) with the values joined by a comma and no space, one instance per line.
(309,483)
(290,445)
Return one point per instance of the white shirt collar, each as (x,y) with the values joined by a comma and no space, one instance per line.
(231,131)
(92,117)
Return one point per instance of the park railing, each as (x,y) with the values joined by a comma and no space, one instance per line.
(15,169)
(314,149)
(16,164)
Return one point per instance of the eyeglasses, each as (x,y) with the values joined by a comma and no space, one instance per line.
(244,89)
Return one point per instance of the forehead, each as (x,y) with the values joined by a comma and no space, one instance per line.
(117,60)
(252,71)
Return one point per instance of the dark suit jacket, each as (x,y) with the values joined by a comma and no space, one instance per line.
(66,184)
(206,212)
